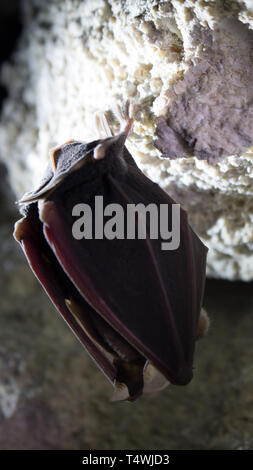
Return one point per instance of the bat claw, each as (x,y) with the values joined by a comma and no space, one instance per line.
(124,114)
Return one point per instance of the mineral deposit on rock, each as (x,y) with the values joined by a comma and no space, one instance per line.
(186,64)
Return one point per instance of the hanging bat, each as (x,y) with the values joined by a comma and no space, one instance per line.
(133,305)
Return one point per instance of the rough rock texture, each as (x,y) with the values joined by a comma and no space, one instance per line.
(211,107)
(189,61)
(52,396)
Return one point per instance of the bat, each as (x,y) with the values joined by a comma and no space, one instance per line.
(134,306)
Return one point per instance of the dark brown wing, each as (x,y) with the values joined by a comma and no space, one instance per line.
(29,233)
(151,297)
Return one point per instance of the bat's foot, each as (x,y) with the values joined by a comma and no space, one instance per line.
(102,126)
(123,114)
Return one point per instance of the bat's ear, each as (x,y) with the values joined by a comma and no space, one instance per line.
(120,392)
(204,324)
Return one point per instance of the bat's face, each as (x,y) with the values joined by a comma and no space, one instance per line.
(133,305)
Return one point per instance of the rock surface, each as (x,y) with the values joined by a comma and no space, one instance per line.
(187,61)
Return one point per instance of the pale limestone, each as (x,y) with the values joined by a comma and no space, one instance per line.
(76,58)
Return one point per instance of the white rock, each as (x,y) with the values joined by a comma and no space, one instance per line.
(76,58)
